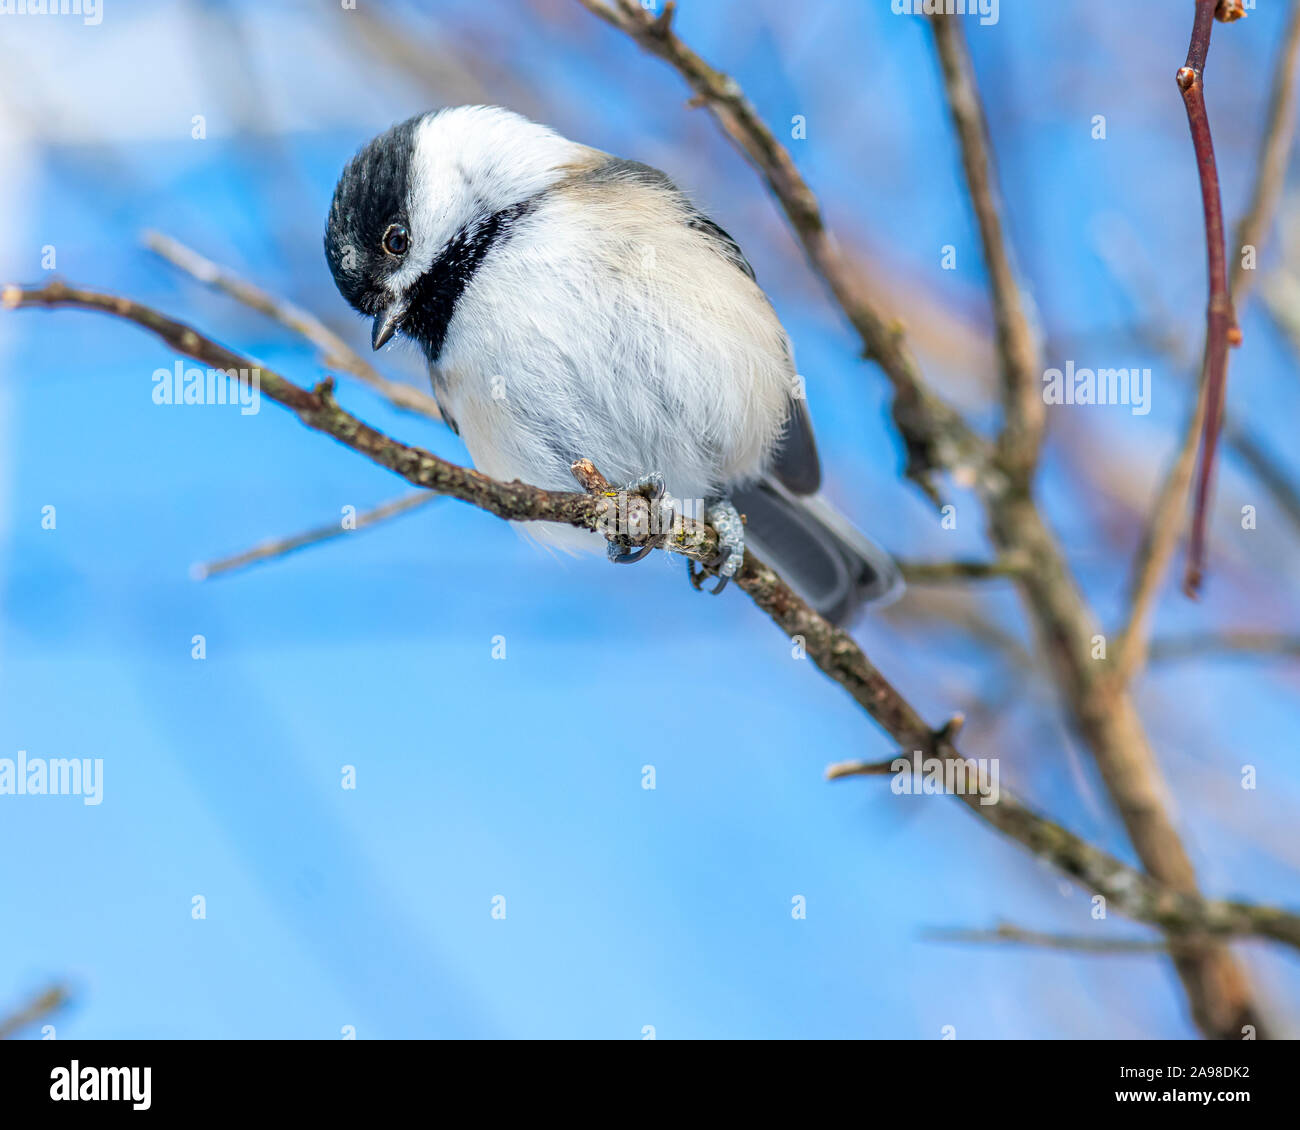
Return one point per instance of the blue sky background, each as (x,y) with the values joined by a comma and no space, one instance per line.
(521,777)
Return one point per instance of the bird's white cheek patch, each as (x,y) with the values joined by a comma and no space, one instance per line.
(422,255)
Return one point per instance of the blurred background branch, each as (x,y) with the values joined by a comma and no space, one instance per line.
(1219,995)
(39,1008)
(281,547)
(335,352)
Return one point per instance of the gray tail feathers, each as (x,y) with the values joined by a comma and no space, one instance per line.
(826,561)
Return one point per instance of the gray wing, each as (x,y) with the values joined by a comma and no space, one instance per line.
(728,246)
(797,466)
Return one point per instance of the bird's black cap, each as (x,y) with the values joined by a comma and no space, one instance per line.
(370,196)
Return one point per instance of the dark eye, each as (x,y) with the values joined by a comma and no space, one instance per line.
(396,240)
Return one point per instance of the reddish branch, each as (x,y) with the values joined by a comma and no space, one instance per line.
(1221,318)
(1164,525)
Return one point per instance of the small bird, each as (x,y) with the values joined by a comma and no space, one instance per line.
(572,304)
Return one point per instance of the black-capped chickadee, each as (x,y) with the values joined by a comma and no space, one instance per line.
(575,305)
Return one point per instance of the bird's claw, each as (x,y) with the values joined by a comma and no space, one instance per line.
(708,569)
(651,487)
(723,516)
(626,557)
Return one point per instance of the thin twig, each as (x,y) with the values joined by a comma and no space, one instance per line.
(1007,934)
(336,353)
(1024,411)
(1216,645)
(833,651)
(38,1008)
(841,769)
(1176,911)
(281,547)
(1156,548)
(941,572)
(1161,534)
(1221,318)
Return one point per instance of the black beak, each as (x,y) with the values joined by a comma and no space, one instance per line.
(385,326)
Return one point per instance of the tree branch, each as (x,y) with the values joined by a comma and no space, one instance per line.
(830,648)
(1135,895)
(38,1008)
(1007,934)
(936,437)
(281,547)
(336,353)
(1024,411)
(318,409)
(1221,318)
(1104,713)
(1161,534)
(1214,645)
(942,572)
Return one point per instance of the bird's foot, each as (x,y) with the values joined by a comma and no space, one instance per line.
(723,516)
(620,549)
(620,556)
